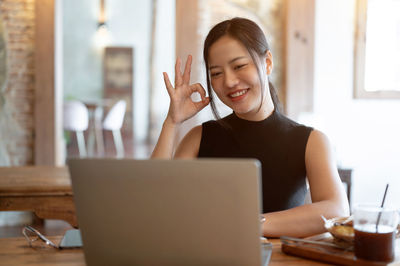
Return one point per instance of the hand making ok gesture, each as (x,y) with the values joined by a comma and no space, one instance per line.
(182,107)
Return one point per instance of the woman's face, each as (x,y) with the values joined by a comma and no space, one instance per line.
(235,79)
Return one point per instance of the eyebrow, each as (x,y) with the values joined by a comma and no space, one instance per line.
(230,62)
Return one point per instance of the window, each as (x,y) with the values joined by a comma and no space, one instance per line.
(377,49)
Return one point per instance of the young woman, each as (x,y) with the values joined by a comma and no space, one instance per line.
(238,63)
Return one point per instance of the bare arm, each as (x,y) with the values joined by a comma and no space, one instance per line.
(190,144)
(327,193)
(164,148)
(181,108)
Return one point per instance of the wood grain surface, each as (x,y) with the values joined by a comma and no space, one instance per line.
(41,180)
(331,255)
(15,251)
(45,190)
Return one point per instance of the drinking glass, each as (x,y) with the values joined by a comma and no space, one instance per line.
(375,232)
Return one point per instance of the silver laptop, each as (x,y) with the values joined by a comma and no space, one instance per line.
(168,212)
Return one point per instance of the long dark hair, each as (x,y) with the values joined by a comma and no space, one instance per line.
(252,37)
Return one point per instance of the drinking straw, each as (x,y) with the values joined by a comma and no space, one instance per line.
(383,202)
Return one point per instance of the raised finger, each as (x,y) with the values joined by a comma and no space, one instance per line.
(188,67)
(168,84)
(178,74)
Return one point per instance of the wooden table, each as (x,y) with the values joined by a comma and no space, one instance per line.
(15,251)
(42,189)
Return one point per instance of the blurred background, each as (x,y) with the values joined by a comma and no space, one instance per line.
(69,67)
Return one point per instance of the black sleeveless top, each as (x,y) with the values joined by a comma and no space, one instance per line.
(277,142)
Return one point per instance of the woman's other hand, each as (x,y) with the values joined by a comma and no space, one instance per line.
(182,107)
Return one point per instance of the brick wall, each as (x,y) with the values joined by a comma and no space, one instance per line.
(17,88)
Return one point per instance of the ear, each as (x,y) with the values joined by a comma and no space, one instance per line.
(269,62)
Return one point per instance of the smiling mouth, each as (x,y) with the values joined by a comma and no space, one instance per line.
(238,93)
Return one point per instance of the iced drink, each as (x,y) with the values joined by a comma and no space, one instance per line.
(372,245)
(375,232)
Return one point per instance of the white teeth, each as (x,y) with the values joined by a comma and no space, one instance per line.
(236,94)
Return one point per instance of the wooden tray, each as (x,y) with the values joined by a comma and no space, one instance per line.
(325,253)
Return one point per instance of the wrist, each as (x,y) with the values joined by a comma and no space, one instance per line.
(169,123)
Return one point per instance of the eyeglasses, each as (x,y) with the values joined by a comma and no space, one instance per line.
(32,235)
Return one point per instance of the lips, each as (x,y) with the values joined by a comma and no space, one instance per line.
(238,95)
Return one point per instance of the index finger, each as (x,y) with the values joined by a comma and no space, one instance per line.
(168,84)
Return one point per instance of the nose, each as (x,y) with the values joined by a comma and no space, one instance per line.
(230,79)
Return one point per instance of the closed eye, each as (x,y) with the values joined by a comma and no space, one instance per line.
(215,74)
(240,66)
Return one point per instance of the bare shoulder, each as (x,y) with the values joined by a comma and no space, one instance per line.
(317,141)
(190,144)
(319,153)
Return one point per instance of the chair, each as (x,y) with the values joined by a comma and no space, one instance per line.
(346,178)
(76,118)
(113,122)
